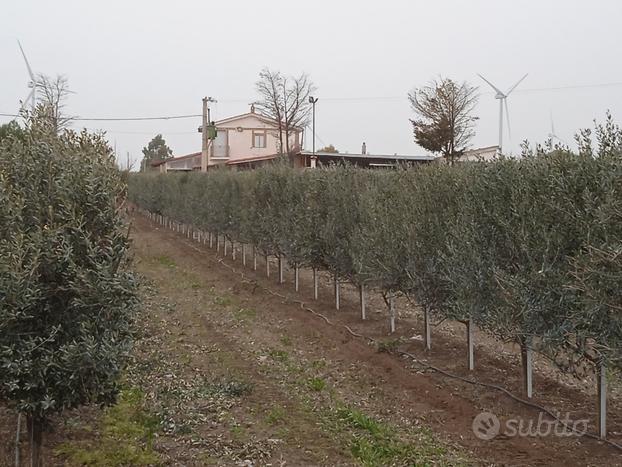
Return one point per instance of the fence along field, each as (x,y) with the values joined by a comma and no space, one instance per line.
(528,250)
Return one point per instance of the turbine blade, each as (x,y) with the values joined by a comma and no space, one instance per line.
(25,101)
(507,117)
(32,75)
(517,83)
(490,84)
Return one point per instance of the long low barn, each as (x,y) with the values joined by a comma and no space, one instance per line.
(363,160)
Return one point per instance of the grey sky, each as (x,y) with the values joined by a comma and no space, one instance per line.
(150,58)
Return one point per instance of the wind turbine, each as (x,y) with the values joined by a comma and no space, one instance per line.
(502,96)
(32,84)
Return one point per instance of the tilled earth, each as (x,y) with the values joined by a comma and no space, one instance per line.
(234,371)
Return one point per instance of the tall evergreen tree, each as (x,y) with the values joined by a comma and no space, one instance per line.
(156,150)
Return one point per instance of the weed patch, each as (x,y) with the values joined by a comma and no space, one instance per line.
(276,415)
(164,260)
(374,443)
(316,384)
(279,355)
(127,436)
(245,314)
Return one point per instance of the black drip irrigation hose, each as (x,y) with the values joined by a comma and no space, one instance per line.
(424,365)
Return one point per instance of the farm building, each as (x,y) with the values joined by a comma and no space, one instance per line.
(487,153)
(243,140)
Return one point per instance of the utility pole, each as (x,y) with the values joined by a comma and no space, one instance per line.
(313,100)
(205,134)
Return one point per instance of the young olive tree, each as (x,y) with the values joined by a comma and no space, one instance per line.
(66,295)
(444,122)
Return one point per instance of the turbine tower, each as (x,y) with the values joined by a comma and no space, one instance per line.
(502,96)
(32,84)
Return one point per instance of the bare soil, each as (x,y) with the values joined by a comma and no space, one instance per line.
(209,322)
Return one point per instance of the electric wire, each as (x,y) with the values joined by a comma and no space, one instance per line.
(329,99)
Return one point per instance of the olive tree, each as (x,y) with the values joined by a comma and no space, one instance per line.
(66,294)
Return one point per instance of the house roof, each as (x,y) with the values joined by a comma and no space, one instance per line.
(484,149)
(236,161)
(245,160)
(175,159)
(386,157)
(263,118)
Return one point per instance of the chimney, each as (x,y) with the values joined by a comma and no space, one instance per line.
(252,108)
(364,148)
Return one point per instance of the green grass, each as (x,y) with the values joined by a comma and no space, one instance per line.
(276,415)
(279,355)
(316,384)
(222,300)
(237,433)
(374,443)
(127,436)
(245,314)
(165,261)
(388,346)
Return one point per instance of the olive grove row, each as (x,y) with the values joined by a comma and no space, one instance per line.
(529,250)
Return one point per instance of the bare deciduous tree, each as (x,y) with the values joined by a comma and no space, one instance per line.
(445,124)
(53,93)
(285,100)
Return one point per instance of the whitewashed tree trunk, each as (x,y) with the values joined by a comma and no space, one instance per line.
(527,361)
(362,301)
(315,284)
(470,344)
(427,338)
(281,276)
(601,375)
(337,292)
(392,313)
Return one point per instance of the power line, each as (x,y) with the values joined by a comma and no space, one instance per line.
(117,119)
(142,132)
(324,99)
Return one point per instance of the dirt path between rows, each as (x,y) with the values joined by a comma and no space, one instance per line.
(385,385)
(229,369)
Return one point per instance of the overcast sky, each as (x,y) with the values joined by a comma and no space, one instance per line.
(151,58)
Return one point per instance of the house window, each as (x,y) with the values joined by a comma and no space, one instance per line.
(259,139)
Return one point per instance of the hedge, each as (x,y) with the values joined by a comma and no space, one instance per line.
(528,249)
